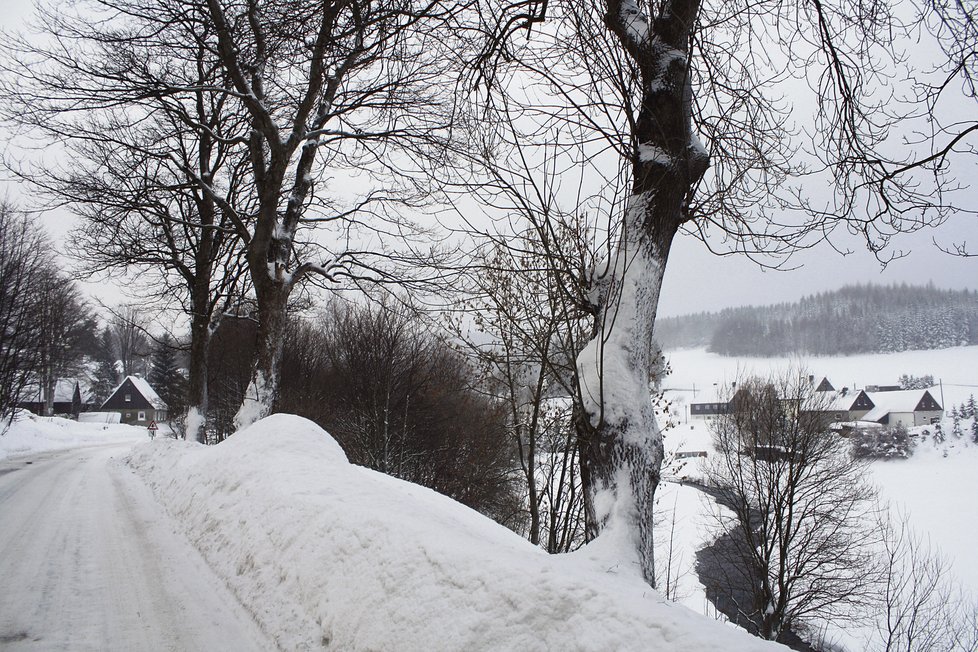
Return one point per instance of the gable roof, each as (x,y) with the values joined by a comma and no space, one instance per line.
(825,386)
(142,387)
(64,392)
(846,402)
(908,400)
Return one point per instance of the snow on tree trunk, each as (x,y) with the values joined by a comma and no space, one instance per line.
(622,442)
(201,330)
(259,398)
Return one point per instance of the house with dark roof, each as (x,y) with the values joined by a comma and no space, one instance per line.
(846,405)
(824,386)
(136,401)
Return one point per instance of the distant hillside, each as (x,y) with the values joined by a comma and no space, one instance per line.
(855,319)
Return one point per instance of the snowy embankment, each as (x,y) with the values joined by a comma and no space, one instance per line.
(32,434)
(330,555)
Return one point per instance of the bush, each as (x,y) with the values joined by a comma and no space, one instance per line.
(883,443)
(401,401)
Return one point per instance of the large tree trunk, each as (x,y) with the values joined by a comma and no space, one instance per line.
(621,446)
(262,390)
(195,420)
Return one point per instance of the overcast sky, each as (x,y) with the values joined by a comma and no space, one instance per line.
(698,280)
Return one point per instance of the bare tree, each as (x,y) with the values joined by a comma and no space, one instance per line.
(800,543)
(919,608)
(269,110)
(129,102)
(24,256)
(131,345)
(638,87)
(63,324)
(527,328)
(352,85)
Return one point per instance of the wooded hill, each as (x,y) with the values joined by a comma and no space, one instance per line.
(854,319)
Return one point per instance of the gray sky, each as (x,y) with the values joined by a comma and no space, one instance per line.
(697,280)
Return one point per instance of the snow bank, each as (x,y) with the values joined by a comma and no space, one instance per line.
(32,434)
(330,555)
(100,417)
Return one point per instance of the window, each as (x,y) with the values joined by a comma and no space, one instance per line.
(128,398)
(141,416)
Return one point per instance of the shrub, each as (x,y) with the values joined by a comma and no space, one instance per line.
(883,443)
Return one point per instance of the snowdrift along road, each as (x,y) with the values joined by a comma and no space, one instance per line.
(329,555)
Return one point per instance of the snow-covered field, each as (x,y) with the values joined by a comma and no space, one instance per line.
(955,368)
(936,487)
(326,554)
(32,434)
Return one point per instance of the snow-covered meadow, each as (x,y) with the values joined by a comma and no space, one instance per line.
(935,488)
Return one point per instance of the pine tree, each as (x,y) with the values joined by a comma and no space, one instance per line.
(974,430)
(165,376)
(106,374)
(971,407)
(938,434)
(956,428)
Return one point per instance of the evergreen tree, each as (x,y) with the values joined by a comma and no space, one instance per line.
(974,430)
(971,407)
(106,374)
(938,434)
(956,428)
(165,376)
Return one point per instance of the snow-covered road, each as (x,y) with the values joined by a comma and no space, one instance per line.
(89,561)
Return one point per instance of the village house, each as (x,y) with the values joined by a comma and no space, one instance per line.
(714,402)
(909,408)
(915,407)
(68,399)
(137,402)
(884,406)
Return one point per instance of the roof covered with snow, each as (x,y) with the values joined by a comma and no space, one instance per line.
(143,388)
(902,401)
(64,392)
(841,402)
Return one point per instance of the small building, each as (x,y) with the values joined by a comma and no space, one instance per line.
(67,399)
(715,402)
(137,402)
(909,408)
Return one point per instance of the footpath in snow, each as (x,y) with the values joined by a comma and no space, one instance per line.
(327,555)
(90,561)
